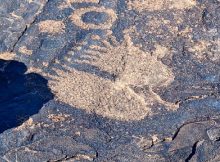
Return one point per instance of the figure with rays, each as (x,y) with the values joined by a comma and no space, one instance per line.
(127,94)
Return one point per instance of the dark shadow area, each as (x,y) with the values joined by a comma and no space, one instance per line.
(21,94)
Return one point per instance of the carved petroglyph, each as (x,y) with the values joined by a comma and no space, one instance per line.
(76,18)
(51,26)
(25,51)
(126,93)
(68,3)
(115,99)
(7,55)
(205,50)
(149,5)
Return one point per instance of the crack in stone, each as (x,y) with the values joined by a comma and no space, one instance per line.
(194,148)
(19,38)
(192,98)
(191,122)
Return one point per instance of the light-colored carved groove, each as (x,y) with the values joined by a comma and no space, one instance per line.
(76,18)
(157,5)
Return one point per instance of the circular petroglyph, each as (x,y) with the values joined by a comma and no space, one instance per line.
(205,50)
(94,17)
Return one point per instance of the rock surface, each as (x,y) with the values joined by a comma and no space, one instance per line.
(127,80)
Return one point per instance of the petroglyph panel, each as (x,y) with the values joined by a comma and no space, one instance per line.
(135,86)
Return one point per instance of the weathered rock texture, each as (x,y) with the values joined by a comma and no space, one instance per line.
(132,80)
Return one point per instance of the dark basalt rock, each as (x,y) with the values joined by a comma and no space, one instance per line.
(36,127)
(95,17)
(12,26)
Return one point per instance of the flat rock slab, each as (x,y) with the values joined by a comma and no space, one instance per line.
(120,80)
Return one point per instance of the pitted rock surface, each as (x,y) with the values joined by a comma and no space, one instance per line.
(127,80)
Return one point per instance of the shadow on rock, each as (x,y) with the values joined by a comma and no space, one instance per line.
(21,94)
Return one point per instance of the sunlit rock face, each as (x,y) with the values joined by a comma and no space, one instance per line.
(132,80)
